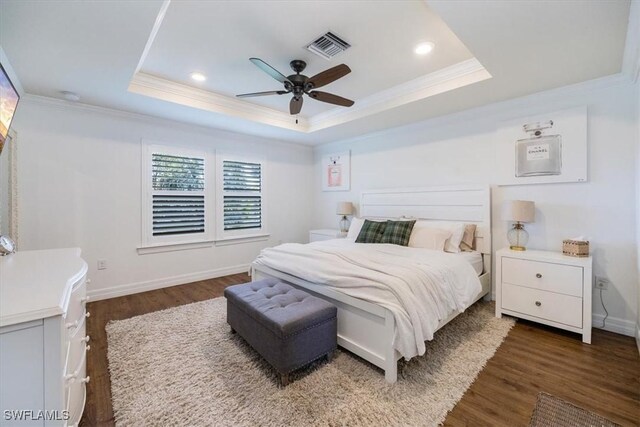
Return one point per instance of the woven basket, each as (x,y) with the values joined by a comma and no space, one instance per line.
(575,248)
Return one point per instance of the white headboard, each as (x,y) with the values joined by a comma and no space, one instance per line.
(464,203)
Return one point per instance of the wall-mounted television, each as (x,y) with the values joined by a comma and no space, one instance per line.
(9,98)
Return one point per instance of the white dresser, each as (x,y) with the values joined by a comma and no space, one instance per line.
(42,338)
(325,234)
(545,287)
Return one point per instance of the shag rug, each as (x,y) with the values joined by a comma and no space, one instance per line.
(182,366)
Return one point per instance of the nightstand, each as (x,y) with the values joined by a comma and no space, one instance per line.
(325,234)
(545,287)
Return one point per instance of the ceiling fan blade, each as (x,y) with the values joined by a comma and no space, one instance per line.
(330,98)
(271,92)
(269,70)
(295,105)
(330,75)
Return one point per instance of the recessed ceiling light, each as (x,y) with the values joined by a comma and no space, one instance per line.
(424,48)
(199,77)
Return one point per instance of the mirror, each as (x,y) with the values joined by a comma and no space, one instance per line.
(9,187)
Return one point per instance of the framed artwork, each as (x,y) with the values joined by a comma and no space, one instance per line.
(543,149)
(336,172)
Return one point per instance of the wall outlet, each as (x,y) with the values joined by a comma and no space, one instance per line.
(102,264)
(602,283)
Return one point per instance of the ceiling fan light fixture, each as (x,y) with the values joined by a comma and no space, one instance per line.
(424,48)
(199,77)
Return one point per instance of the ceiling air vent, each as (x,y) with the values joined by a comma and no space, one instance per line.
(328,45)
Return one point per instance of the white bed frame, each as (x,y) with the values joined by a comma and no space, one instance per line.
(368,329)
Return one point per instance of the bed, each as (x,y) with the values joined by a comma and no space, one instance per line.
(369,329)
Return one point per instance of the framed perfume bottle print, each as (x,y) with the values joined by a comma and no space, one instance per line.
(542,149)
(539,154)
(336,172)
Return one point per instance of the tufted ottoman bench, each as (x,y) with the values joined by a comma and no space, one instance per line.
(287,326)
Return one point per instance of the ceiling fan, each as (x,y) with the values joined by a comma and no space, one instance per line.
(299,84)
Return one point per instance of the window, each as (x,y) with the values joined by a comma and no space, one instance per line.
(240,198)
(176,184)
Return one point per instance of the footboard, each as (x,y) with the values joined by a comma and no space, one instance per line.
(364,329)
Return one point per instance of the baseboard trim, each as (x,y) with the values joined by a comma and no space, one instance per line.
(615,324)
(638,336)
(165,282)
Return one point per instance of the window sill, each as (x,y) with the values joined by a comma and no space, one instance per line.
(236,240)
(172,247)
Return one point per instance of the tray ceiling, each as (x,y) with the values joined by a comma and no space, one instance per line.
(137,56)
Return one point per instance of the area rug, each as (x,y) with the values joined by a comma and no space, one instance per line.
(551,411)
(182,366)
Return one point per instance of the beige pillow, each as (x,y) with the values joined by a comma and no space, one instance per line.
(456,228)
(429,238)
(466,244)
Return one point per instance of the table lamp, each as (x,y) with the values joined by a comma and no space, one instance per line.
(518,211)
(344,209)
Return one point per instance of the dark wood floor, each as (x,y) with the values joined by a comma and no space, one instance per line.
(603,377)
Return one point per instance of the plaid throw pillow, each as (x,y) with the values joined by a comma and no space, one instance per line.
(371,232)
(397,232)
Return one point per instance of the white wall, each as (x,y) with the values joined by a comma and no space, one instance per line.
(459,148)
(80,185)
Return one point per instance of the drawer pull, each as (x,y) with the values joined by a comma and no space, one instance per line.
(88,314)
(86,339)
(539,276)
(86,379)
(538,303)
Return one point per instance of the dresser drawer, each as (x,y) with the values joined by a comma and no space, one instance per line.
(77,345)
(563,279)
(76,397)
(559,308)
(77,302)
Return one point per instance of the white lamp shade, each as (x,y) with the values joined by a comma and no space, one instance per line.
(344,208)
(518,210)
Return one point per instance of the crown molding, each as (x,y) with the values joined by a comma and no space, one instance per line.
(446,79)
(449,78)
(494,109)
(159,88)
(64,105)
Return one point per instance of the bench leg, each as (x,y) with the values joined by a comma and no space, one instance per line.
(233,331)
(284,379)
(331,355)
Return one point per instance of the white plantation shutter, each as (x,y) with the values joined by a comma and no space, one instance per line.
(177,195)
(242,195)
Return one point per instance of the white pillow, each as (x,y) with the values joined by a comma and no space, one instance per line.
(456,229)
(429,238)
(355,227)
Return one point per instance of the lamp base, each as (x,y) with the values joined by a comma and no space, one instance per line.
(344,225)
(518,237)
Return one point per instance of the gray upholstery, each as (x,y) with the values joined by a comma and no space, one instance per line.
(287,326)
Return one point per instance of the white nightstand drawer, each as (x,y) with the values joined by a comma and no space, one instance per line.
(564,279)
(545,305)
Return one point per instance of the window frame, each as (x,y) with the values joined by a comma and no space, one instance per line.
(252,234)
(153,244)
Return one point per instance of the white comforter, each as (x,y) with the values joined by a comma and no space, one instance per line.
(420,287)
